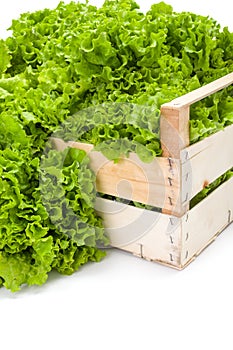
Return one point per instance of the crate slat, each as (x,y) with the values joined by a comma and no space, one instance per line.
(205,161)
(147,234)
(200,93)
(202,224)
(156,183)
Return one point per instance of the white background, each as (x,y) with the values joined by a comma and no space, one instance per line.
(125,302)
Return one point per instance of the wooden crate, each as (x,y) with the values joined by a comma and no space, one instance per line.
(177,234)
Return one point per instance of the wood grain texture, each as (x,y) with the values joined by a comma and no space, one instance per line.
(174,134)
(174,130)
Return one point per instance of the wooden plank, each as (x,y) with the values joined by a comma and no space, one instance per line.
(150,235)
(156,183)
(200,146)
(206,220)
(174,134)
(204,162)
(201,93)
(174,130)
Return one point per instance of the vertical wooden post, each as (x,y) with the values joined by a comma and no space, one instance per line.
(174,129)
(174,135)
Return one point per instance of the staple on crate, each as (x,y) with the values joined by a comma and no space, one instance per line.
(141,250)
(229,216)
(170,201)
(170,181)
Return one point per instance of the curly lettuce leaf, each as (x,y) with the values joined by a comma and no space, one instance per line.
(112,67)
(5,57)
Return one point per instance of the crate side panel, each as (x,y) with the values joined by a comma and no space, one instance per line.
(206,220)
(147,234)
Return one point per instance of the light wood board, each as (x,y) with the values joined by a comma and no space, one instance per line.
(205,161)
